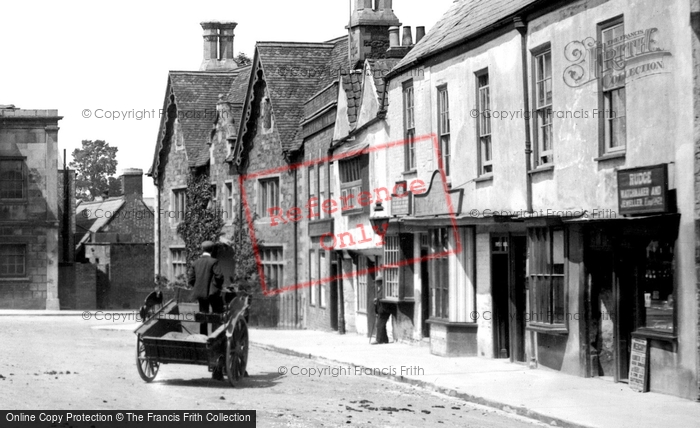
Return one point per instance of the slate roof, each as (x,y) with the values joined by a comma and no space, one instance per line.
(196,94)
(464,19)
(379,69)
(91,217)
(293,73)
(352,84)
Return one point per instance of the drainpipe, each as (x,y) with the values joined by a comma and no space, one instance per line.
(159,237)
(296,256)
(522,29)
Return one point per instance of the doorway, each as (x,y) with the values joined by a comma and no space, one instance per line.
(508,256)
(333,306)
(425,285)
(613,282)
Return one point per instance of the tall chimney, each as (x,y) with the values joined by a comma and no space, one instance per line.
(218,46)
(407,36)
(394,37)
(226,40)
(385,4)
(420,33)
(132,182)
(211,39)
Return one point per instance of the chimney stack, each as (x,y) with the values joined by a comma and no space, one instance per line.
(394,37)
(132,182)
(218,46)
(420,33)
(407,36)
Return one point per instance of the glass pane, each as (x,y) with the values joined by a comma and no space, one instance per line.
(558,252)
(559,303)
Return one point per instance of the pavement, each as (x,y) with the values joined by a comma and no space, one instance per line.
(549,396)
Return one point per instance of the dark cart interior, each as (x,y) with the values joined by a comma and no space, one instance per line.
(170,335)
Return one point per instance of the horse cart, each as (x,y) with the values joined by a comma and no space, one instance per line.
(167,336)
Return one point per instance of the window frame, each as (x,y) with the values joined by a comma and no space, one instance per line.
(24,179)
(439,268)
(354,187)
(24,248)
(409,126)
(535,279)
(268,264)
(264,202)
(229,200)
(483,118)
(178,204)
(178,262)
(362,284)
(542,111)
(605,98)
(443,117)
(313,261)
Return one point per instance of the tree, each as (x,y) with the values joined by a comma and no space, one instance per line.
(95,163)
(243,59)
(202,220)
(115,187)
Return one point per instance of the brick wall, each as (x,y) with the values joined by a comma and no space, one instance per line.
(133,223)
(130,276)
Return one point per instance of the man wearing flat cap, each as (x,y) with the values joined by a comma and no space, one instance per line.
(205,276)
(383,311)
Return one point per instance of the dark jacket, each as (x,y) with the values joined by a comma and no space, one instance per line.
(205,276)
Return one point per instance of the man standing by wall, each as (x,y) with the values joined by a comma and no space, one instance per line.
(383,311)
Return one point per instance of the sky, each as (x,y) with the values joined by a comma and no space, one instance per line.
(115,56)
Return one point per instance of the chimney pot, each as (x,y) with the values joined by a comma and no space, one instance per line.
(407,36)
(420,33)
(226,36)
(211,39)
(394,37)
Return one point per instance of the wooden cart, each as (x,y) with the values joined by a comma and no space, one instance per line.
(164,339)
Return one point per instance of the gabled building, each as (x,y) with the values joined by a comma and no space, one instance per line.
(29,208)
(185,145)
(116,237)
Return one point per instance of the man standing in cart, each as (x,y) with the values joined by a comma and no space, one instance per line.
(204,274)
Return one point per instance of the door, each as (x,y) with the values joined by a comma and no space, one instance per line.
(370,295)
(424,292)
(500,276)
(517,292)
(333,304)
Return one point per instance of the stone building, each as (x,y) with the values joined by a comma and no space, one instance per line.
(116,237)
(29,208)
(558,221)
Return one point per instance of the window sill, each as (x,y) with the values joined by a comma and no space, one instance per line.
(483,178)
(610,156)
(647,333)
(543,168)
(443,321)
(548,329)
(354,211)
(410,171)
(14,279)
(10,201)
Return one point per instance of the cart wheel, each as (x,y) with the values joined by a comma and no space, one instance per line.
(237,352)
(148,369)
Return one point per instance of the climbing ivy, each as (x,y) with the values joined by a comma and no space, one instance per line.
(203,220)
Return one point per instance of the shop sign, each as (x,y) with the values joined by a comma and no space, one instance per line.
(401,201)
(631,56)
(639,363)
(438,200)
(643,190)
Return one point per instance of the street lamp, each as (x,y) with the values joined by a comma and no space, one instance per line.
(379,220)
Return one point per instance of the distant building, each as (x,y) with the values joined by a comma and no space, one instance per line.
(29,208)
(117,238)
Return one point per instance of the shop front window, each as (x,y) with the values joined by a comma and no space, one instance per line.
(659,302)
(546,277)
